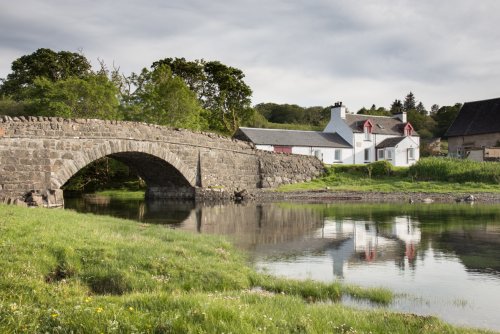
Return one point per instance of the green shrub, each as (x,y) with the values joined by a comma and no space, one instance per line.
(380,168)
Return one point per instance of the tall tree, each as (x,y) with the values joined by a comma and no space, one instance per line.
(161,98)
(93,96)
(396,107)
(444,117)
(434,108)
(421,109)
(409,102)
(43,63)
(220,89)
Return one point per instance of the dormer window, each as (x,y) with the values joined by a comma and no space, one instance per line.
(367,130)
(408,129)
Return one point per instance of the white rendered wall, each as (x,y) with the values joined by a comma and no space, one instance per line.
(401,156)
(265,147)
(337,124)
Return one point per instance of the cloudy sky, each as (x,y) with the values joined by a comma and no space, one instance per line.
(304,52)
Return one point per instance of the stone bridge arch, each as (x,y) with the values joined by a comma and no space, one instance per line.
(165,174)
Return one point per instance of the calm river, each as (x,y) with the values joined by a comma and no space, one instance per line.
(442,260)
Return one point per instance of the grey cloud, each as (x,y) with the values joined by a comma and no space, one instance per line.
(394,44)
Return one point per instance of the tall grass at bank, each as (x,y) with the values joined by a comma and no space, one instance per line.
(456,170)
(438,175)
(63,272)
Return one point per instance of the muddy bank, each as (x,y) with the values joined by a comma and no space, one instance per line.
(264,195)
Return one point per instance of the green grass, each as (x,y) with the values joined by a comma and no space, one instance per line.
(456,170)
(122,194)
(64,272)
(433,175)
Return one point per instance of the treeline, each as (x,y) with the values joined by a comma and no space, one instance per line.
(199,94)
(431,123)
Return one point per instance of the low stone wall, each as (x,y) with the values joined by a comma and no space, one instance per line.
(281,168)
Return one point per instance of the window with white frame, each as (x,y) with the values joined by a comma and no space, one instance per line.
(389,154)
(367,155)
(380,154)
(411,153)
(368,134)
(337,155)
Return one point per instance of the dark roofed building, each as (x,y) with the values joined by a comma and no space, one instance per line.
(328,147)
(476,131)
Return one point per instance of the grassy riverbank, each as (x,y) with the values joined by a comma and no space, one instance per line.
(430,175)
(65,272)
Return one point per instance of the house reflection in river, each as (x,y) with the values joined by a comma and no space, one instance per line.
(365,241)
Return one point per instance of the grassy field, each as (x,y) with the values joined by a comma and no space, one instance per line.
(433,175)
(63,272)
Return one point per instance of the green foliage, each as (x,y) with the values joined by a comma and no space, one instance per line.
(293,114)
(409,102)
(456,170)
(161,98)
(422,123)
(104,173)
(380,111)
(220,89)
(45,63)
(12,108)
(444,117)
(380,168)
(93,96)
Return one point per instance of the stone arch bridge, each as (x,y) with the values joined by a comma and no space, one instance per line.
(38,155)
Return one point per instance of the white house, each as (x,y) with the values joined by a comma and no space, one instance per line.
(376,138)
(347,138)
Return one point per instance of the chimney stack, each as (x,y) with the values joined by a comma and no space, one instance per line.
(338,110)
(401,116)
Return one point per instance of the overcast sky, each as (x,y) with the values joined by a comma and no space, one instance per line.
(303,52)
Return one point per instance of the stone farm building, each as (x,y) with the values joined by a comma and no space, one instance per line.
(475,132)
(347,139)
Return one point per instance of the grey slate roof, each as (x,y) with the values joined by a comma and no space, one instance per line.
(291,138)
(390,142)
(476,118)
(381,124)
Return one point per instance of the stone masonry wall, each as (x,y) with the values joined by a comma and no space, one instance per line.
(42,153)
(281,168)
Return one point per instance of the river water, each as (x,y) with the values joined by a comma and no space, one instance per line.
(441,260)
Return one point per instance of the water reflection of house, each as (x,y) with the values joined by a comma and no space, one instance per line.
(362,241)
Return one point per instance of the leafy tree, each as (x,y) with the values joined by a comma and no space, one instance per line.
(380,111)
(444,117)
(10,107)
(421,109)
(396,107)
(161,98)
(93,96)
(219,88)
(409,102)
(434,108)
(423,124)
(44,63)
